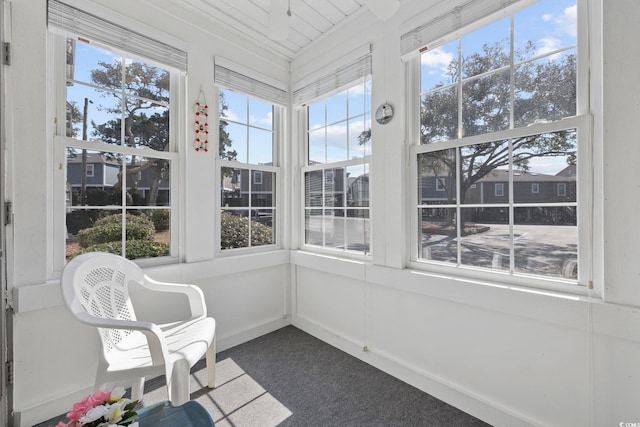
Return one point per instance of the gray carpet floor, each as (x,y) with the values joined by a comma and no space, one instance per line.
(289,378)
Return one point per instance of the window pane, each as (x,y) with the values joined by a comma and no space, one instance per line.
(260,147)
(545,26)
(260,114)
(359,137)
(486,49)
(439,115)
(438,240)
(148,181)
(237,141)
(101,189)
(439,66)
(263,194)
(85,59)
(545,90)
(147,233)
(337,108)
(103,118)
(357,230)
(233,106)
(317,148)
(334,224)
(334,187)
(313,184)
(262,230)
(546,241)
(316,113)
(235,187)
(486,104)
(437,177)
(314,227)
(149,128)
(359,99)
(337,142)
(81,234)
(147,81)
(358,186)
(548,160)
(484,165)
(234,228)
(485,238)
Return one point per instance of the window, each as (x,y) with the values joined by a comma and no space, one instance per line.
(503,97)
(251,122)
(336,178)
(535,188)
(257,177)
(247,192)
(562,189)
(119,131)
(329,177)
(440,184)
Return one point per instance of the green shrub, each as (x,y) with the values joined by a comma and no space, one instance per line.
(109,229)
(160,219)
(135,249)
(234,232)
(80,219)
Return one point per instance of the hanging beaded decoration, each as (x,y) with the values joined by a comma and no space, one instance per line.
(201,126)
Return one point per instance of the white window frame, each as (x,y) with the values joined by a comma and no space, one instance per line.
(581,122)
(61,142)
(329,179)
(90,170)
(440,184)
(279,112)
(498,189)
(342,74)
(535,187)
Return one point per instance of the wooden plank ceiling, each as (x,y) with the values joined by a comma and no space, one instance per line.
(310,19)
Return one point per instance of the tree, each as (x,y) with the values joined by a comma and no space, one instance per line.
(225,140)
(544,91)
(146,120)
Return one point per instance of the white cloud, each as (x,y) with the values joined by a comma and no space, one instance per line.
(265,120)
(437,58)
(230,115)
(548,44)
(567,22)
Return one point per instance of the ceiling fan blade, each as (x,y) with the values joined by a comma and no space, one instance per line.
(278,19)
(383,9)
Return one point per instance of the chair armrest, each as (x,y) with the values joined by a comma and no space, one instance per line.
(193,293)
(153,333)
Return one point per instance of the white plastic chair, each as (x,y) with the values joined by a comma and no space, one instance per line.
(95,289)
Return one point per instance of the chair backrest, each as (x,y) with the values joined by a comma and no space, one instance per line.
(98,283)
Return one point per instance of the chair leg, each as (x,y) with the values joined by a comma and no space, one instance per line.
(211,364)
(137,388)
(178,384)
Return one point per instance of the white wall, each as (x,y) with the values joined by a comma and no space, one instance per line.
(54,356)
(507,355)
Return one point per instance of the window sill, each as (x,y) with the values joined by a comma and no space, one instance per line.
(48,295)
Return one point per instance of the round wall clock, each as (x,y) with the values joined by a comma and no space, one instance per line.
(384,114)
